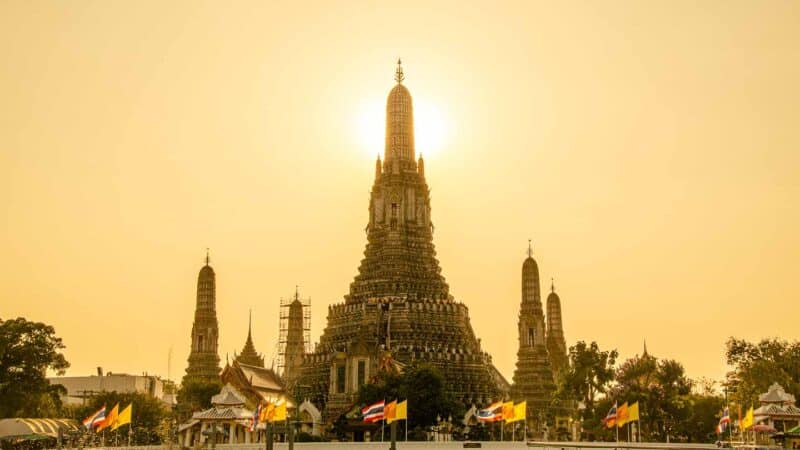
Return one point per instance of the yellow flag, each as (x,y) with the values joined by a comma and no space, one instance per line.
(520,411)
(266,413)
(401,412)
(747,422)
(280,413)
(622,415)
(110,420)
(124,417)
(633,412)
(390,412)
(508,411)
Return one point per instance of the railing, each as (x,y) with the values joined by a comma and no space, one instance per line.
(452,445)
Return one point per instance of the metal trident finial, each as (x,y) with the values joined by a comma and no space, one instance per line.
(398,74)
(530,249)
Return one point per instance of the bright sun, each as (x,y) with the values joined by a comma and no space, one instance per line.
(430,127)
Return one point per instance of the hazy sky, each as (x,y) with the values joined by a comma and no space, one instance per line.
(650,150)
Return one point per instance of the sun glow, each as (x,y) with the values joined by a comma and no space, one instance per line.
(430,127)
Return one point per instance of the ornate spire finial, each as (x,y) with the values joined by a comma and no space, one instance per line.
(552,284)
(250,324)
(530,249)
(644,351)
(398,74)
(208,259)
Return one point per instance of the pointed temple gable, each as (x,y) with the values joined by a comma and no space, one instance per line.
(249,355)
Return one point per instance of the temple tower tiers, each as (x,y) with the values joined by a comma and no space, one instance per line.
(533,377)
(249,355)
(204,359)
(400,259)
(399,309)
(556,344)
(295,342)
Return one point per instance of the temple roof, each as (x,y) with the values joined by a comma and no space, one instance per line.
(228,396)
(776,394)
(249,355)
(775,410)
(261,378)
(229,413)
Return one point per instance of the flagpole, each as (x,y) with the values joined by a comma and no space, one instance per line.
(638,430)
(730,422)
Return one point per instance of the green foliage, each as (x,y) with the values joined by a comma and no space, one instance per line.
(149,419)
(589,373)
(662,390)
(705,412)
(424,388)
(27,351)
(757,366)
(307,437)
(339,427)
(196,396)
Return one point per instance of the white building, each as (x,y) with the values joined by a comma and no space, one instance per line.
(81,388)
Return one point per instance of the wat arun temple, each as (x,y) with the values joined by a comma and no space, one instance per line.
(399,309)
(398,312)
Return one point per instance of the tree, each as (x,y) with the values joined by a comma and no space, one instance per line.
(588,375)
(196,396)
(148,418)
(705,412)
(424,388)
(27,351)
(757,366)
(662,390)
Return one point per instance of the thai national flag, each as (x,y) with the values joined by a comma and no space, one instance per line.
(374,412)
(95,419)
(724,421)
(491,414)
(726,416)
(611,417)
(254,420)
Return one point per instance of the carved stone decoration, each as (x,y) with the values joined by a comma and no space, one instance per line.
(378,202)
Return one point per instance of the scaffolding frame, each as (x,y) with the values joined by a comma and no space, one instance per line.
(283,328)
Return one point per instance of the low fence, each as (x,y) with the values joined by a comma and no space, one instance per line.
(452,445)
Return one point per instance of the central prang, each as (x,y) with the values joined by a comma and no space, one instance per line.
(399,309)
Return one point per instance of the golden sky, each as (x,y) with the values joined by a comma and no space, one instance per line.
(650,150)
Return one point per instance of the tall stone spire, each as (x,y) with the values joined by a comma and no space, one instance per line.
(203,358)
(399,149)
(249,355)
(399,309)
(556,344)
(533,377)
(400,259)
